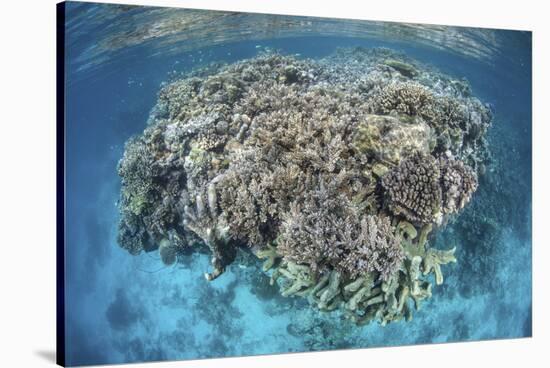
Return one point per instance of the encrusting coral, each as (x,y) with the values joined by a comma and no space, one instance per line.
(406,69)
(388,139)
(332,171)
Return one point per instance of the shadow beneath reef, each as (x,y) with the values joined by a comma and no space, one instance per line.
(48,355)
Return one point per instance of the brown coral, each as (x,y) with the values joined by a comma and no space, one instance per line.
(458,183)
(326,231)
(423,189)
(413,188)
(373,246)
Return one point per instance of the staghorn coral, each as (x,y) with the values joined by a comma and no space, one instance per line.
(332,171)
(393,299)
(328,233)
(313,231)
(203,220)
(434,259)
(270,255)
(373,247)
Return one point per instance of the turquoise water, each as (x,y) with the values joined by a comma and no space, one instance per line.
(121,308)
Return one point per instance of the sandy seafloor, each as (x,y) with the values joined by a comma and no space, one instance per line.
(122,308)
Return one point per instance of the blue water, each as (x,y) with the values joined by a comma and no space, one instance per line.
(122,308)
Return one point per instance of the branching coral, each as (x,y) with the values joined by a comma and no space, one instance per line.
(458,183)
(413,189)
(372,247)
(423,189)
(408,98)
(458,123)
(326,232)
(332,171)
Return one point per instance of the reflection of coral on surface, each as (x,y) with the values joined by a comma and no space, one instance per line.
(333,171)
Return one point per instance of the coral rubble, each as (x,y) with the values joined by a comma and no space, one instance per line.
(332,171)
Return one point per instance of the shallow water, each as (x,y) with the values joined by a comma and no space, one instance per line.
(122,308)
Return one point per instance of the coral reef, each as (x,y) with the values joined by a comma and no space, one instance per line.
(423,189)
(406,69)
(333,172)
(388,139)
(458,183)
(413,189)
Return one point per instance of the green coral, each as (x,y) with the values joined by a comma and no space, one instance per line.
(405,69)
(197,157)
(299,279)
(418,290)
(138,201)
(328,297)
(434,259)
(379,169)
(426,230)
(389,139)
(406,228)
(367,138)
(270,255)
(357,290)
(418,248)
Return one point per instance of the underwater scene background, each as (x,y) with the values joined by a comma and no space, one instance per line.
(122,308)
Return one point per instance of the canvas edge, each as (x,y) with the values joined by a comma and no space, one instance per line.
(60,183)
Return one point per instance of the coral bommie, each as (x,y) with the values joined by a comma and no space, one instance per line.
(333,170)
